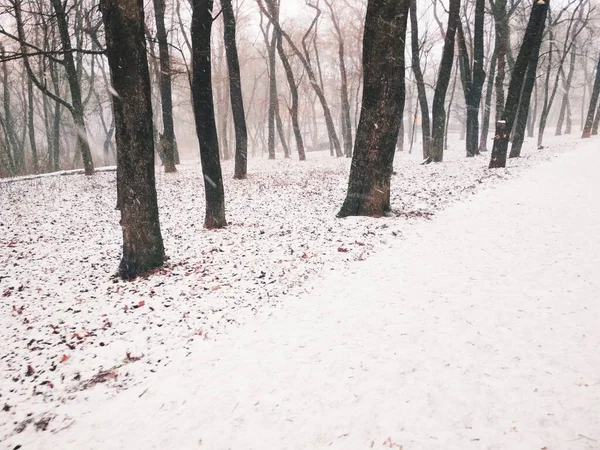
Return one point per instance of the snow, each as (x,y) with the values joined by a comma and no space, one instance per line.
(477,329)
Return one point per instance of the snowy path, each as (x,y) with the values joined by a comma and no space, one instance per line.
(480,330)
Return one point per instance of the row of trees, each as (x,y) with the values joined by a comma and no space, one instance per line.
(294,87)
(74,43)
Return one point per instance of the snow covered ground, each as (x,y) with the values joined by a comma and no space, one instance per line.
(477,329)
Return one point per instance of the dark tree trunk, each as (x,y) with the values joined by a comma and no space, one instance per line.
(438,111)
(501,47)
(126,51)
(31,127)
(589,122)
(382,109)
(16,154)
(167,142)
(530,46)
(77,111)
(473,79)
(547,97)
(565,107)
(485,126)
(416,67)
(235,92)
(523,111)
(596,121)
(272,94)
(204,113)
(294,107)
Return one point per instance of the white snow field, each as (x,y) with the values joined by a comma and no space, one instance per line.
(477,329)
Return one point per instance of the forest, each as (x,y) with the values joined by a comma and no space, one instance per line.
(81,80)
(304,195)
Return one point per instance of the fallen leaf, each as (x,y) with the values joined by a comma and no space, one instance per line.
(342,250)
(64,358)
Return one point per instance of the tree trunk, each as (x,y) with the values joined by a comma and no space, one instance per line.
(204,113)
(167,142)
(589,122)
(473,80)
(416,67)
(523,110)
(530,46)
(143,248)
(485,126)
(294,107)
(311,77)
(31,127)
(344,99)
(596,122)
(272,93)
(77,111)
(382,108)
(235,92)
(438,110)
(501,47)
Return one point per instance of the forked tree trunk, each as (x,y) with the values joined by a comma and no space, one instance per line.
(204,113)
(382,109)
(473,79)
(527,54)
(235,92)
(126,51)
(294,107)
(416,67)
(438,112)
(344,99)
(589,122)
(77,111)
(311,76)
(565,107)
(167,141)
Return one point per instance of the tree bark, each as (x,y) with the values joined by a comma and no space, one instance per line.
(528,54)
(272,93)
(143,248)
(382,109)
(31,126)
(167,141)
(204,113)
(473,78)
(235,92)
(501,47)
(438,111)
(485,126)
(589,122)
(416,67)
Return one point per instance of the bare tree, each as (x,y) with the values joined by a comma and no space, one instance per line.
(592,113)
(143,248)
(382,109)
(167,139)
(204,113)
(527,57)
(438,112)
(235,92)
